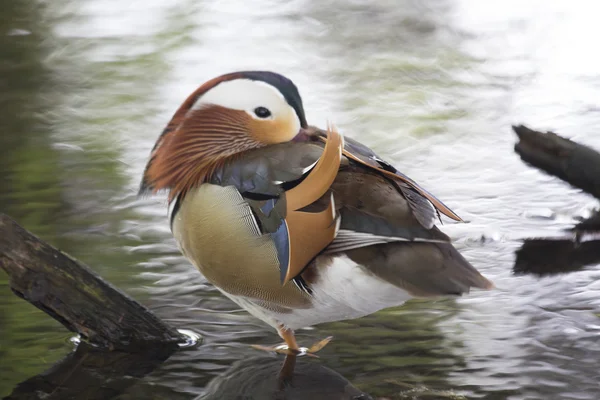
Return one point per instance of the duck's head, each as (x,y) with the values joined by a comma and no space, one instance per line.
(224,117)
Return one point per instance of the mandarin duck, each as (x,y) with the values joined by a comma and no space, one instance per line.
(293,223)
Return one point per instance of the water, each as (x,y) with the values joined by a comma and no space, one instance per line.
(87,86)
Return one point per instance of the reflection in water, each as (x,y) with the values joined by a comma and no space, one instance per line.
(91,374)
(30,170)
(405,351)
(433,86)
(265,378)
(29,165)
(554,256)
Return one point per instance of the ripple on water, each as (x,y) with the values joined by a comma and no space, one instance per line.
(432,86)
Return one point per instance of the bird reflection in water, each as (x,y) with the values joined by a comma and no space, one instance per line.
(264,377)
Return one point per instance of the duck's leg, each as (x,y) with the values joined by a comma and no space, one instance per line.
(290,347)
(290,339)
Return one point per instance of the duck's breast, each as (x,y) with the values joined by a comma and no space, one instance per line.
(217,232)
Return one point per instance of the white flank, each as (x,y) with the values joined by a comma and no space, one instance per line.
(345,290)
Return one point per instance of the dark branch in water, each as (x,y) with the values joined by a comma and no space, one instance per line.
(579,166)
(592,224)
(74,295)
(572,162)
(555,256)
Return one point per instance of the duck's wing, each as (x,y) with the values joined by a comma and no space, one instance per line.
(378,204)
(387,227)
(380,231)
(376,210)
(421,269)
(424,203)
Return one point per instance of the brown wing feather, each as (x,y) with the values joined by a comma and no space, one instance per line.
(422,269)
(370,199)
(372,164)
(373,210)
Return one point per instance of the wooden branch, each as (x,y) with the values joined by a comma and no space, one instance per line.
(574,163)
(92,374)
(578,165)
(75,296)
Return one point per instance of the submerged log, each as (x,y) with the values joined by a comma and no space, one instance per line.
(74,295)
(572,162)
(579,166)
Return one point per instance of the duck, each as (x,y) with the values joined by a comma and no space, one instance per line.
(296,224)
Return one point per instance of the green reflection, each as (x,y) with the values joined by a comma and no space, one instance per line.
(399,68)
(30,181)
(62,169)
(30,168)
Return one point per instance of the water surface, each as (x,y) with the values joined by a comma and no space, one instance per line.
(433,86)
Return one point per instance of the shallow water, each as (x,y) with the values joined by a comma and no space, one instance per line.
(87,86)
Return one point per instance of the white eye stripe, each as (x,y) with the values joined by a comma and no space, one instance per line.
(248,95)
(242,94)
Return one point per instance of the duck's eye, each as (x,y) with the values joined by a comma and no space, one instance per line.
(262,112)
